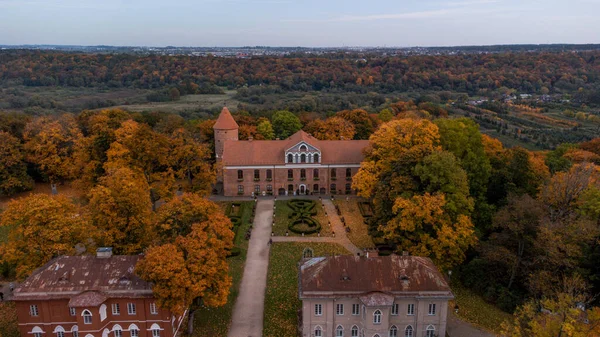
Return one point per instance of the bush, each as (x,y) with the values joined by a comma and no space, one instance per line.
(303,212)
(235,251)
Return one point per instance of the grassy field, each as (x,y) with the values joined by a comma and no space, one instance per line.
(473,308)
(281,301)
(43,188)
(359,231)
(187,104)
(215,321)
(282,212)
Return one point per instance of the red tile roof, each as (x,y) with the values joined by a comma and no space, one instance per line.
(87,276)
(398,275)
(272,152)
(225,121)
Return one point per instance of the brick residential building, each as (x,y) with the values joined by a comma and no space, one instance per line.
(361,296)
(90,296)
(298,165)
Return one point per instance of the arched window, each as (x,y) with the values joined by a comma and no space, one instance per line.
(75,331)
(316,158)
(155,330)
(316,174)
(318,331)
(303,147)
(408,332)
(354,331)
(307,253)
(376,335)
(59,331)
(302,174)
(102,312)
(339,331)
(37,331)
(240,175)
(430,331)
(87,317)
(117,330)
(393,331)
(377,317)
(290,174)
(303,158)
(333,173)
(134,330)
(290,158)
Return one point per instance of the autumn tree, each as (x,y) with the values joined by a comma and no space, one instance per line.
(41,227)
(139,148)
(13,170)
(189,159)
(120,207)
(285,124)
(49,145)
(363,124)
(423,228)
(189,267)
(334,128)
(8,320)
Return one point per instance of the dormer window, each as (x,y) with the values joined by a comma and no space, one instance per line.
(303,147)
(303,158)
(290,158)
(316,158)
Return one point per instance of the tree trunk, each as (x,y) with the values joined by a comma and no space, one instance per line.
(190,329)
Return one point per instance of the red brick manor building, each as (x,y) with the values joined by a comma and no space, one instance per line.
(298,165)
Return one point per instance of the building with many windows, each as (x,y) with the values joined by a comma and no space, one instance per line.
(90,296)
(298,165)
(382,296)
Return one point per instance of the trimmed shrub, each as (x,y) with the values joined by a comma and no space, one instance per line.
(301,216)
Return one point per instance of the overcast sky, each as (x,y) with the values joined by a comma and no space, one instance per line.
(317,23)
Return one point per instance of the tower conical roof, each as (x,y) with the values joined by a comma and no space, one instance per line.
(225,121)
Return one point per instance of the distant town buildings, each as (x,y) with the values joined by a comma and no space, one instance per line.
(298,165)
(90,296)
(382,296)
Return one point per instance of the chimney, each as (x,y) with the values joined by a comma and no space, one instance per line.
(104,252)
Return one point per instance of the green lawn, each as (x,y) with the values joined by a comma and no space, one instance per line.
(282,212)
(215,321)
(281,301)
(359,231)
(474,309)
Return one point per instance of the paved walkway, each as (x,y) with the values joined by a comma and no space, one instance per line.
(458,328)
(249,307)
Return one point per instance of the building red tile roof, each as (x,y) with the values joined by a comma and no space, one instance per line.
(272,152)
(225,121)
(87,277)
(359,275)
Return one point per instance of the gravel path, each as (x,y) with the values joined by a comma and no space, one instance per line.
(249,307)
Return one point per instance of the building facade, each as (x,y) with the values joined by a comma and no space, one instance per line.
(90,296)
(358,296)
(298,165)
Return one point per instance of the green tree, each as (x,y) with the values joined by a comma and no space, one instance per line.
(363,124)
(285,124)
(13,170)
(265,129)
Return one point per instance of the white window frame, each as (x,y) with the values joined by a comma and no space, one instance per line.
(75,331)
(134,331)
(339,309)
(37,331)
(155,329)
(153,309)
(393,331)
(59,331)
(118,332)
(87,314)
(409,331)
(410,310)
(318,331)
(131,309)
(430,332)
(339,331)
(72,311)
(431,310)
(377,316)
(395,307)
(354,331)
(34,310)
(355,309)
(116,309)
(318,309)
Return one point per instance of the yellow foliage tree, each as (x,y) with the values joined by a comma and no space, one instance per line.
(189,159)
(120,207)
(189,268)
(334,128)
(423,228)
(42,227)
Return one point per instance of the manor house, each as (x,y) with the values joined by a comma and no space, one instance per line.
(298,165)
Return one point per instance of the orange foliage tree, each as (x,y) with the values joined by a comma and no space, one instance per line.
(13,171)
(334,128)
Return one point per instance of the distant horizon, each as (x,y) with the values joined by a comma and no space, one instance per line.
(302,46)
(314,23)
